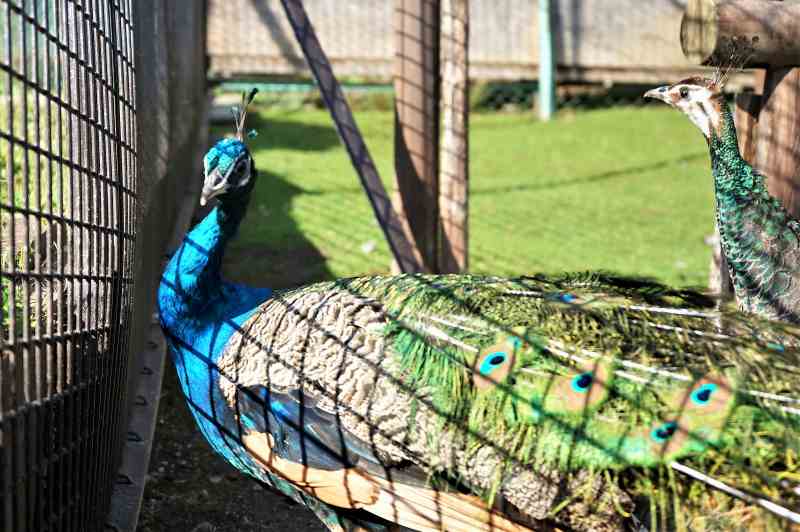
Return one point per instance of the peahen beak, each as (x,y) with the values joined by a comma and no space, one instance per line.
(659,93)
(213,185)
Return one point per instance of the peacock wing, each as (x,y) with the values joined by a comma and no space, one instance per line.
(764,250)
(385,363)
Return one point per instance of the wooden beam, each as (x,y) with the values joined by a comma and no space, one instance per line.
(708,26)
(454,153)
(778,144)
(416,84)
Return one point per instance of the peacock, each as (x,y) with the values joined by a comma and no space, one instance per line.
(480,403)
(759,238)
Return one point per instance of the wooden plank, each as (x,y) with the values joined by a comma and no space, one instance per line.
(709,26)
(454,153)
(778,145)
(416,83)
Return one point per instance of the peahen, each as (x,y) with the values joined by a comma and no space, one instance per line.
(470,403)
(759,238)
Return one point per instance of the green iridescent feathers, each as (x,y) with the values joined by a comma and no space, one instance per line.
(587,371)
(760,239)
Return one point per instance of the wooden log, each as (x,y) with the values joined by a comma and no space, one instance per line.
(708,26)
(416,84)
(454,153)
(778,144)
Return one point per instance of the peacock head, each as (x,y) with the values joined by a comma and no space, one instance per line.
(228,167)
(700,99)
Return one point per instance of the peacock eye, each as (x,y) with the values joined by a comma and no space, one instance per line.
(492,361)
(702,395)
(664,432)
(684,92)
(581,383)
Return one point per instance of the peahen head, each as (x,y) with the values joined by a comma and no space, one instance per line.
(228,168)
(700,99)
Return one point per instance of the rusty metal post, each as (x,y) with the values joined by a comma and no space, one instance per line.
(416,83)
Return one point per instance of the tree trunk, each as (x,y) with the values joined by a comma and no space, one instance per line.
(778,145)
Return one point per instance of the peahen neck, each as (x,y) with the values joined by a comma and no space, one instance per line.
(734,179)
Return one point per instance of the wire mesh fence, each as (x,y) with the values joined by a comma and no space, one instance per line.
(67,214)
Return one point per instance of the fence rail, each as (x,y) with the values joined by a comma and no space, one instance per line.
(68,204)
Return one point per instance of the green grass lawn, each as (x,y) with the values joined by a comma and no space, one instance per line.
(626,190)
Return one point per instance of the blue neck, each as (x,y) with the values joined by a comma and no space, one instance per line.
(199,311)
(192,292)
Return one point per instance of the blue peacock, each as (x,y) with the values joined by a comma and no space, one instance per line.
(759,238)
(476,403)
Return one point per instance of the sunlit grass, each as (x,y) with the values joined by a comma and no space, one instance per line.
(625,189)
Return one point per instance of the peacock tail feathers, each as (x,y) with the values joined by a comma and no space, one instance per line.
(480,380)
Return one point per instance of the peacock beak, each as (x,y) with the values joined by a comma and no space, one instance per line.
(213,185)
(659,93)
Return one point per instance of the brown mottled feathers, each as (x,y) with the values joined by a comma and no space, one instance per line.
(414,507)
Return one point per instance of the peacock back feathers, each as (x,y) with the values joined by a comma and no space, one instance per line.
(514,387)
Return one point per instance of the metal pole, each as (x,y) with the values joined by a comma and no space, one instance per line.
(547,86)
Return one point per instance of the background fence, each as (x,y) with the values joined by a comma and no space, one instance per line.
(596,40)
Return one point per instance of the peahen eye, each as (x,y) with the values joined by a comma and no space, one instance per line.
(684,92)
(702,395)
(581,383)
(492,361)
(664,432)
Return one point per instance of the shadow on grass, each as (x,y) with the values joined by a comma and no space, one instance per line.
(275,132)
(270,250)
